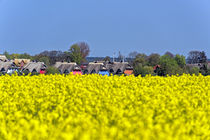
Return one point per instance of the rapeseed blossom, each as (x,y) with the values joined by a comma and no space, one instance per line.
(104,107)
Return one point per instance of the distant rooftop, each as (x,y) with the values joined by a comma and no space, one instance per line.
(3,57)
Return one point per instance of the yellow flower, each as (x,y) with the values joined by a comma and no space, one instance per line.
(104,107)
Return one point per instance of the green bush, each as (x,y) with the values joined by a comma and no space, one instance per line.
(52,70)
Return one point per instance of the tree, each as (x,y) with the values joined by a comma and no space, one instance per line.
(193,57)
(193,70)
(8,56)
(45,59)
(153,59)
(203,57)
(107,58)
(53,56)
(149,70)
(180,60)
(132,54)
(208,72)
(139,69)
(15,55)
(67,56)
(25,56)
(78,52)
(52,70)
(198,57)
(169,54)
(84,50)
(168,65)
(140,58)
(75,54)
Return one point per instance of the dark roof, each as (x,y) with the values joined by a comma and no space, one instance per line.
(117,67)
(93,68)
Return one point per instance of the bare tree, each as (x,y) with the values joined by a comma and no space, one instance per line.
(133,54)
(193,57)
(203,57)
(84,49)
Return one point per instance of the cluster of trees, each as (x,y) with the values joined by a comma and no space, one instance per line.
(77,53)
(154,64)
(169,64)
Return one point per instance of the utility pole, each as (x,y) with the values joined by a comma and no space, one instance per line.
(113,56)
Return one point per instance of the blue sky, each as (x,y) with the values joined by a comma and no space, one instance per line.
(108,26)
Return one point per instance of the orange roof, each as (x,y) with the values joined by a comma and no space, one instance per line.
(128,72)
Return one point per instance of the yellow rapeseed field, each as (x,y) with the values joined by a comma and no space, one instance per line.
(59,107)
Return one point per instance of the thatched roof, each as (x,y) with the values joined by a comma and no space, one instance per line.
(3,58)
(4,66)
(93,68)
(34,66)
(19,61)
(65,67)
(117,67)
(57,64)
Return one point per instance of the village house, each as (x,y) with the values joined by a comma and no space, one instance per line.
(77,70)
(128,70)
(93,67)
(34,67)
(103,71)
(66,68)
(102,68)
(117,68)
(21,62)
(5,66)
(84,65)
(3,58)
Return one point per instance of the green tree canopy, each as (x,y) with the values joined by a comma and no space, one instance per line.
(139,69)
(107,58)
(168,65)
(75,54)
(180,59)
(141,58)
(52,70)
(153,59)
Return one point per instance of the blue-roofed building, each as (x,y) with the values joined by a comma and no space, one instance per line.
(103,71)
